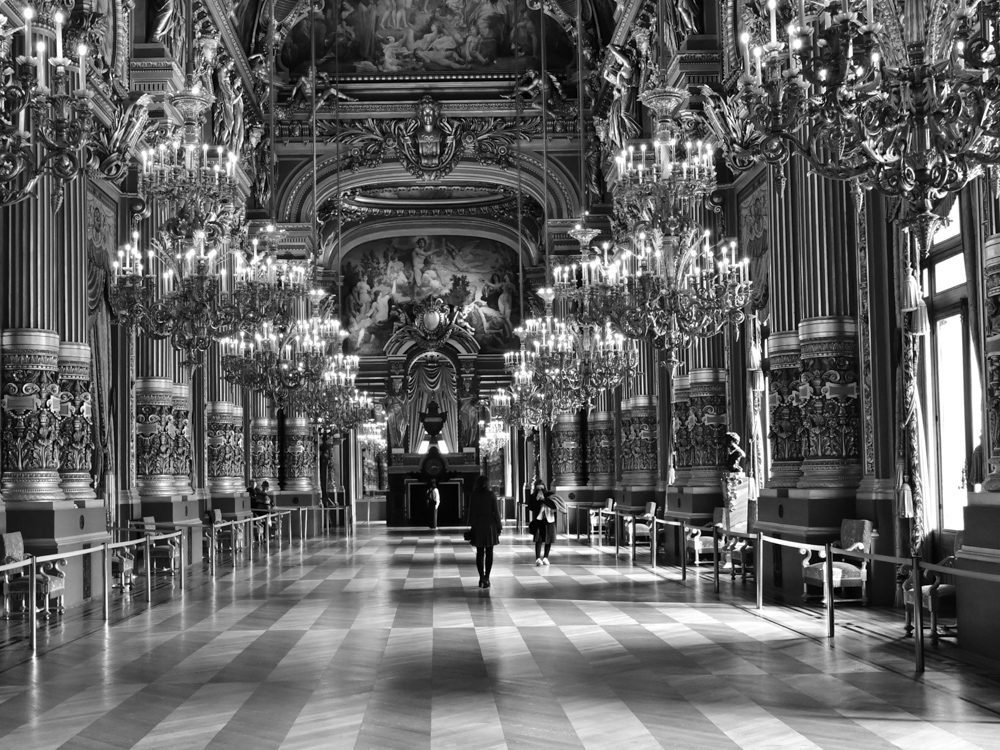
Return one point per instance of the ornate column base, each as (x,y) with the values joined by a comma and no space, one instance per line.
(264,451)
(785,417)
(831,418)
(182,455)
(31,406)
(567,451)
(224,444)
(682,432)
(155,443)
(601,449)
(300,455)
(707,422)
(639,442)
(75,422)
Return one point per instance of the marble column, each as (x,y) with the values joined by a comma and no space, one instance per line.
(828,298)
(76,428)
(264,450)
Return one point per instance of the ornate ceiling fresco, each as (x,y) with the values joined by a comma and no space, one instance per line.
(384,279)
(376,37)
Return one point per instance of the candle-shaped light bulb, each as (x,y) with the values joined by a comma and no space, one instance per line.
(40,49)
(82,51)
(28,14)
(58,19)
(745,43)
(772,6)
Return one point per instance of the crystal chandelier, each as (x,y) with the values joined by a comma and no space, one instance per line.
(493,438)
(665,281)
(53,88)
(267,290)
(895,95)
(279,362)
(333,403)
(371,436)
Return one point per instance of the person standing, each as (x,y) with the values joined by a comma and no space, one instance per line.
(542,508)
(483,517)
(433,502)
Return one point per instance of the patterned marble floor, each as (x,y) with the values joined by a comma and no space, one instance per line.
(385,641)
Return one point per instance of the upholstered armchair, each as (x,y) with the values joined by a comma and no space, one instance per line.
(742,555)
(937,596)
(166,552)
(50,582)
(641,526)
(849,574)
(699,540)
(595,520)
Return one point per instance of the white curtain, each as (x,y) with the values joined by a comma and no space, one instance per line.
(432,380)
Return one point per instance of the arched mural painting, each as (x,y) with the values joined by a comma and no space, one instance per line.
(383,279)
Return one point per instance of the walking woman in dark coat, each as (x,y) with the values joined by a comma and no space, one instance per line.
(542,508)
(485,526)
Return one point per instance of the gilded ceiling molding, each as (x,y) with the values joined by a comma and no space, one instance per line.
(295,202)
(431,225)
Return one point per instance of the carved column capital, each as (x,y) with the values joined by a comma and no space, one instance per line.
(300,455)
(567,441)
(156,437)
(707,422)
(601,448)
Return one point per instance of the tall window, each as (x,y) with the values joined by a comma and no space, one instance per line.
(955,380)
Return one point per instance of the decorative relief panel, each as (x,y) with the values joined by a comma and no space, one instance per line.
(567,451)
(156,437)
(263,450)
(639,444)
(601,450)
(31,407)
(683,447)
(706,422)
(829,396)
(785,417)
(76,428)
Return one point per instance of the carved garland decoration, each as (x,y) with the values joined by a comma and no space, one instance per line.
(428,145)
(829,393)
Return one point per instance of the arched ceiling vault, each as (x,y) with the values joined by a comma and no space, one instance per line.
(296,201)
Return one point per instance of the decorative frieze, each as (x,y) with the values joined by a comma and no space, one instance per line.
(300,455)
(567,451)
(31,407)
(639,442)
(601,448)
(264,451)
(828,394)
(784,409)
(707,424)
(76,427)
(156,437)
